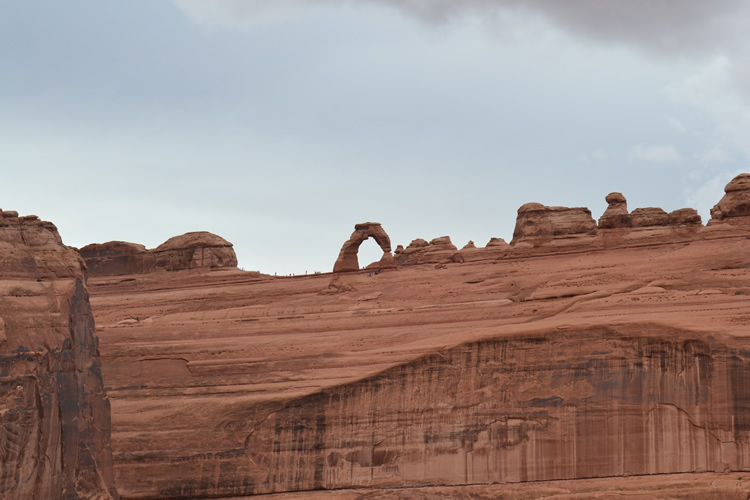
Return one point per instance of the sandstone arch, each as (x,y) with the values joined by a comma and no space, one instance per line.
(347,260)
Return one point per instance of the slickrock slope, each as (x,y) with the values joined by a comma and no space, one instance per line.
(583,354)
(199,249)
(534,367)
(55,416)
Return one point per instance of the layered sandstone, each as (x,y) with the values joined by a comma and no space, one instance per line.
(539,224)
(55,415)
(195,250)
(616,215)
(734,207)
(593,362)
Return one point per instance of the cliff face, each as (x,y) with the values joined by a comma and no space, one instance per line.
(55,437)
(554,405)
(588,363)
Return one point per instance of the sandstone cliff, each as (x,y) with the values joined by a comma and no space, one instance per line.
(194,250)
(55,415)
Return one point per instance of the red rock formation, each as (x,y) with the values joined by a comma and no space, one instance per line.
(685,217)
(55,437)
(194,250)
(734,207)
(420,251)
(496,242)
(538,224)
(649,217)
(616,215)
(592,362)
(347,259)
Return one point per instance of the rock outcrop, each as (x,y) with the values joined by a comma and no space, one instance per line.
(538,224)
(649,217)
(347,260)
(616,215)
(421,251)
(55,415)
(734,207)
(533,408)
(194,250)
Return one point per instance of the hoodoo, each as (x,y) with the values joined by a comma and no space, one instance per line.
(55,415)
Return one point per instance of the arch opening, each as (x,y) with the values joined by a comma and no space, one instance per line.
(348,259)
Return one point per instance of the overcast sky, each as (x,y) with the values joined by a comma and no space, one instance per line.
(279,125)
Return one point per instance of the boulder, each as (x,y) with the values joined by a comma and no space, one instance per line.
(616,215)
(539,224)
(54,413)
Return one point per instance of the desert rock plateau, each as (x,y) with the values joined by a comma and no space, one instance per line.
(584,359)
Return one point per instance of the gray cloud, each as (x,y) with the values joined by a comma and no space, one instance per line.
(665,25)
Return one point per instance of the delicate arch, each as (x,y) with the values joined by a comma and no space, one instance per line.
(348,260)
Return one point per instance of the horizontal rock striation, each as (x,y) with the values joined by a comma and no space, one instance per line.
(55,415)
(539,224)
(194,250)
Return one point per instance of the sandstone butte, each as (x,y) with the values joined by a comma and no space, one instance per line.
(585,359)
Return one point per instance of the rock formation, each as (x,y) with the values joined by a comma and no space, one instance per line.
(538,224)
(420,251)
(496,242)
(649,217)
(348,261)
(616,215)
(55,415)
(199,249)
(591,362)
(734,207)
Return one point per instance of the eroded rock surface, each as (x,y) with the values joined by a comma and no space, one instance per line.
(734,207)
(194,250)
(591,362)
(532,408)
(55,415)
(539,224)
(347,260)
(421,251)
(616,215)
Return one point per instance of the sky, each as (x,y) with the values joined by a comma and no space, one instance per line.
(279,125)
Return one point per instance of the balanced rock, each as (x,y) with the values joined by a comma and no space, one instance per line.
(54,413)
(347,259)
(734,207)
(199,249)
(616,215)
(539,224)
